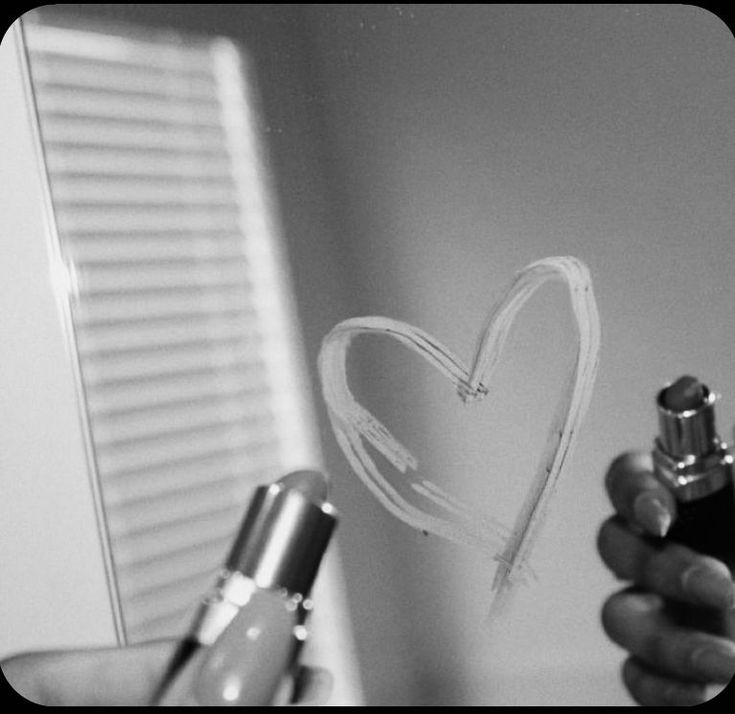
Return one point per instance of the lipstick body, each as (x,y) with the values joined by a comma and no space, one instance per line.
(262,638)
(696,465)
(257,609)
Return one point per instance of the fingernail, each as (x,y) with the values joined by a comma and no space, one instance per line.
(709,585)
(680,694)
(652,514)
(716,662)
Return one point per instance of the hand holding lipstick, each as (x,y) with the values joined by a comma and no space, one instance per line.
(669,662)
(244,644)
(129,676)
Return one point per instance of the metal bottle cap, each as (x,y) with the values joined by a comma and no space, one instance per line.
(688,454)
(689,432)
(284,534)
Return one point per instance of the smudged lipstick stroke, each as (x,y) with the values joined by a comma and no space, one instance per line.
(353,425)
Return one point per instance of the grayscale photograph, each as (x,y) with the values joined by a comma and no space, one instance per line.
(367,355)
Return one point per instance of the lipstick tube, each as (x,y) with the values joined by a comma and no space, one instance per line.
(696,465)
(258,607)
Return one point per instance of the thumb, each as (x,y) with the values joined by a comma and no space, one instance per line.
(125,676)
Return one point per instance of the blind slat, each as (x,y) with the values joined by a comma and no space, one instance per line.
(194,444)
(158,335)
(121,222)
(75,120)
(71,75)
(257,461)
(187,505)
(64,137)
(47,41)
(153,249)
(192,584)
(81,195)
(153,426)
(220,471)
(116,309)
(122,105)
(92,163)
(191,472)
(174,538)
(195,360)
(166,568)
(173,392)
(161,277)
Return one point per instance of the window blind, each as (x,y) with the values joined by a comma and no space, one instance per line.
(182,321)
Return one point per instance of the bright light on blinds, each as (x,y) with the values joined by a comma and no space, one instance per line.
(181,315)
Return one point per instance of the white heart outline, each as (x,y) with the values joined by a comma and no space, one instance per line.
(351,422)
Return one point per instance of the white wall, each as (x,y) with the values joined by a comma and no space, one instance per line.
(50,552)
(464,142)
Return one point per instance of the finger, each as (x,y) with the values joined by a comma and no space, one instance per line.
(637,495)
(312,686)
(637,622)
(650,688)
(124,676)
(666,568)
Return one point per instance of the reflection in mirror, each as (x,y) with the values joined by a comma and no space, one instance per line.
(418,156)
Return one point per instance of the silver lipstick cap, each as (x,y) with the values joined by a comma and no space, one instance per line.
(690,432)
(285,533)
(688,454)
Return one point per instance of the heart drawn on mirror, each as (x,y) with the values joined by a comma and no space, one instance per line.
(353,424)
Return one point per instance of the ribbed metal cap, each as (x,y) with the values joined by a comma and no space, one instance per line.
(691,431)
(285,532)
